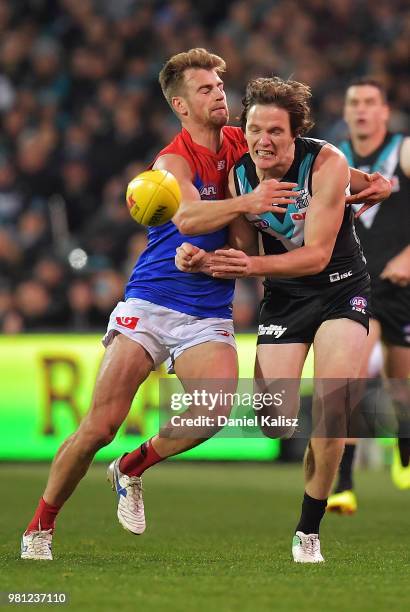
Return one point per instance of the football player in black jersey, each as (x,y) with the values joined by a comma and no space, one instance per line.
(384,233)
(307,249)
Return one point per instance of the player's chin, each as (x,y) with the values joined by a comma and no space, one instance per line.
(218,119)
(264,163)
(362,129)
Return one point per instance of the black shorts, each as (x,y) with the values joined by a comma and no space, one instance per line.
(293,312)
(391,307)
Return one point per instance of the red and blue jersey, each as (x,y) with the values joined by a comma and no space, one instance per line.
(155,277)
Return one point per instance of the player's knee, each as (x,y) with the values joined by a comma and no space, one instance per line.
(272,430)
(95,436)
(222,411)
(328,446)
(278,422)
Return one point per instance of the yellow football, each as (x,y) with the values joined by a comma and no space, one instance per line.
(153,197)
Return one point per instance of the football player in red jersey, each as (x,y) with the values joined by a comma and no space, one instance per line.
(173,315)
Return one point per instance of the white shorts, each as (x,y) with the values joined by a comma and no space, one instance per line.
(164,333)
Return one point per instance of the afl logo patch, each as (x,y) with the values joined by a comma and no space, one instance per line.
(359,304)
(208,192)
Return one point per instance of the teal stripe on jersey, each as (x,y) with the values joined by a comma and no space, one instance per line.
(388,149)
(346,148)
(244,184)
(304,170)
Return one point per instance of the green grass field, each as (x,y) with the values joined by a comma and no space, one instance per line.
(218,538)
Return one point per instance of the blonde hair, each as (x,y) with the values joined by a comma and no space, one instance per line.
(171,77)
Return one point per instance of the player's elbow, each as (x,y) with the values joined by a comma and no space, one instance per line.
(320,260)
(184,223)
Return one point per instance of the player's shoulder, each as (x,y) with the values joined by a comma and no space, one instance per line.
(234,134)
(307,145)
(178,153)
(316,150)
(405,156)
(244,161)
(176,146)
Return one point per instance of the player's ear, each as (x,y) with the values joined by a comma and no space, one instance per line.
(179,105)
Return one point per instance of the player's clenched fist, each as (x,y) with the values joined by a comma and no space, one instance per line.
(190,258)
(270,196)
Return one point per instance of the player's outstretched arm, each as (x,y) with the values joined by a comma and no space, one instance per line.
(242,235)
(323,220)
(397,269)
(193,218)
(368,189)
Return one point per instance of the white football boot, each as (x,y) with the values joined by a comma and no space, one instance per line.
(130,510)
(37,545)
(306,548)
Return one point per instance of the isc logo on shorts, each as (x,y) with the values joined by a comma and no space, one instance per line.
(336,276)
(271,330)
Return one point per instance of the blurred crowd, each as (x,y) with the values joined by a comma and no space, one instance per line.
(81,113)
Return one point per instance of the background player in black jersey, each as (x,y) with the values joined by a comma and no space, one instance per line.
(384,233)
(304,248)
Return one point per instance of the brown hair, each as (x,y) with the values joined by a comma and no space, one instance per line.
(367,80)
(171,77)
(290,95)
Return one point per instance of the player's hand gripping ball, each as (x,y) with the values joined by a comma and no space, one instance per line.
(153,197)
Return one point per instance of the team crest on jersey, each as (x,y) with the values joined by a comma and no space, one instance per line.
(208,192)
(302,200)
(220,164)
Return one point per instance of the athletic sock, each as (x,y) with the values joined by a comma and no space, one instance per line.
(404,449)
(345,482)
(44,517)
(135,463)
(312,513)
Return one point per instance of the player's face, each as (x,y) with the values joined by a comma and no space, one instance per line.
(269,136)
(365,112)
(204,98)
